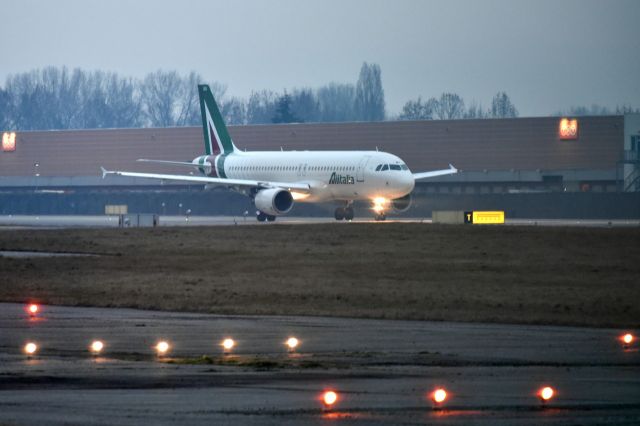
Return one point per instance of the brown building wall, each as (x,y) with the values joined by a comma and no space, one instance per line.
(471,145)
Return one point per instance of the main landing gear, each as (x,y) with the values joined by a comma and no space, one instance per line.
(262,217)
(380,217)
(345,213)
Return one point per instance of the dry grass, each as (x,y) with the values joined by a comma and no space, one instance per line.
(579,276)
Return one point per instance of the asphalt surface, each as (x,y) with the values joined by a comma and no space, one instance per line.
(383,371)
(110,221)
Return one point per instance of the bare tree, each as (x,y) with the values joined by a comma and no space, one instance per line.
(502,107)
(304,105)
(336,102)
(475,110)
(170,100)
(234,111)
(450,106)
(261,107)
(369,100)
(418,110)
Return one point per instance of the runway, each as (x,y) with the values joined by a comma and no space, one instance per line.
(382,370)
(112,221)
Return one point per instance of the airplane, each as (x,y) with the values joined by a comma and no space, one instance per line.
(275,180)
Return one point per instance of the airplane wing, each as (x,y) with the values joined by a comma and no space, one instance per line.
(300,187)
(424,175)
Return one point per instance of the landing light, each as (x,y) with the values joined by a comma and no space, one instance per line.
(379,204)
(298,195)
(627,339)
(30,348)
(33,309)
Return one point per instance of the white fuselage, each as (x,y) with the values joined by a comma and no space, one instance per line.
(331,175)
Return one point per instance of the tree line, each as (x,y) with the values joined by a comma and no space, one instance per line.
(59,98)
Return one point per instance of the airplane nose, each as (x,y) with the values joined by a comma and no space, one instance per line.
(408,182)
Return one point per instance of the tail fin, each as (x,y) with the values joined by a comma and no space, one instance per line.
(216,137)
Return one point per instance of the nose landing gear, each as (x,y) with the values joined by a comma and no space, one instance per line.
(380,217)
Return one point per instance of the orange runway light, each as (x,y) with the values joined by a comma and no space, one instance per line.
(30,348)
(546,393)
(228,344)
(329,398)
(438,396)
(97,346)
(162,347)
(292,343)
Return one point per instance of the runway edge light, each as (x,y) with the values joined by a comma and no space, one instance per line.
(228,344)
(162,347)
(438,397)
(546,394)
(627,340)
(96,347)
(33,309)
(30,348)
(329,398)
(292,343)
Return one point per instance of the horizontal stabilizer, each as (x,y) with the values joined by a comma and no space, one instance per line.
(179,163)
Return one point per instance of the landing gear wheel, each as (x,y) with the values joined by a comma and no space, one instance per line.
(348,213)
(261,216)
(271,218)
(380,217)
(340,213)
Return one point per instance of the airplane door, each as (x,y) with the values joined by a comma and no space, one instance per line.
(302,170)
(361,168)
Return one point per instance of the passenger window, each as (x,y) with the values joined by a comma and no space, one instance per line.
(384,167)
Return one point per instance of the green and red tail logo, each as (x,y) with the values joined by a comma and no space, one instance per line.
(216,137)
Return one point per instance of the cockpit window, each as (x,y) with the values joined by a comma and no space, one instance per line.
(385,167)
(394,167)
(404,167)
(379,167)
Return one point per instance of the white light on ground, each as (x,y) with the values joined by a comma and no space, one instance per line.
(162,347)
(228,344)
(329,398)
(97,346)
(30,348)
(292,343)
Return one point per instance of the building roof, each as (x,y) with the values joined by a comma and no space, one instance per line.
(471,145)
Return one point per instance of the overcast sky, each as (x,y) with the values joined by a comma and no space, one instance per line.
(547,55)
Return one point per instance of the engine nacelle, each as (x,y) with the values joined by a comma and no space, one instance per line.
(205,165)
(403,204)
(274,201)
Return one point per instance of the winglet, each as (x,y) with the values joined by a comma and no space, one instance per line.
(105,172)
(453,169)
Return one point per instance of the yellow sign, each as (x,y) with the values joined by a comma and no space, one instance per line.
(484,218)
(9,141)
(568,129)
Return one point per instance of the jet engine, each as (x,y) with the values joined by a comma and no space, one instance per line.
(401,205)
(205,165)
(274,201)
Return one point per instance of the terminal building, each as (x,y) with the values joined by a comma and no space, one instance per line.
(529,167)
